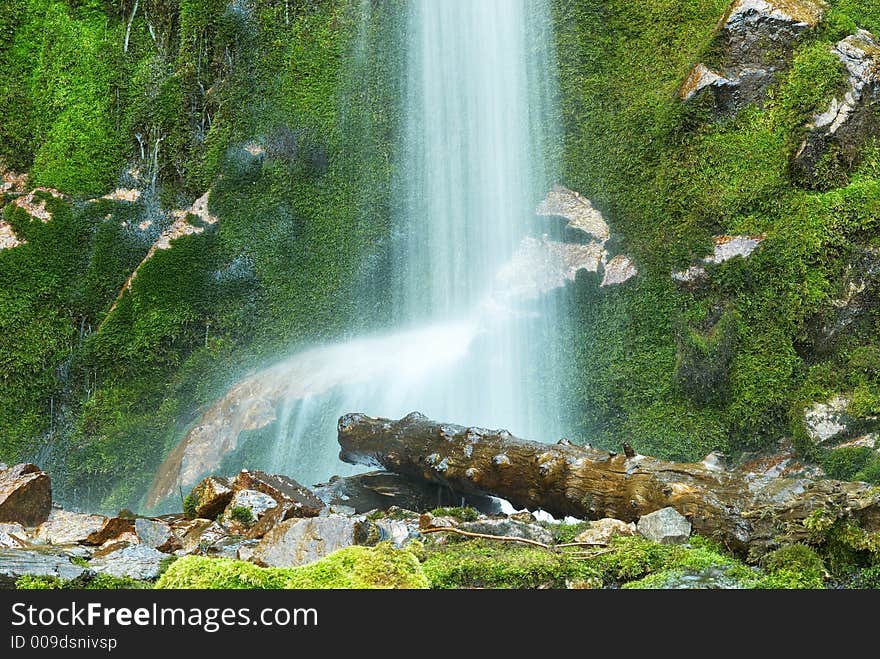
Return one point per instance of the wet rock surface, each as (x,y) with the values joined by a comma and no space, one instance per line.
(15,563)
(300,541)
(754,43)
(212,495)
(602,530)
(157,534)
(135,561)
(25,494)
(67,528)
(666,526)
(836,137)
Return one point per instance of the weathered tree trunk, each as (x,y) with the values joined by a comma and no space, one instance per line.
(746,512)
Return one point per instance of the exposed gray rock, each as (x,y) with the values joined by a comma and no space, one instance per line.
(12,534)
(618,270)
(257,503)
(602,530)
(755,40)
(136,562)
(828,420)
(67,528)
(725,248)
(398,532)
(841,130)
(304,540)
(25,494)
(859,295)
(15,563)
(200,536)
(157,534)
(666,526)
(294,498)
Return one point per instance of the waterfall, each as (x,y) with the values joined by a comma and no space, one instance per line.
(471,165)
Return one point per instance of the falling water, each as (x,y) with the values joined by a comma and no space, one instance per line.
(477,98)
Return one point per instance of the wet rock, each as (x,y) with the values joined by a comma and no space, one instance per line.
(13,534)
(230,547)
(114,528)
(25,495)
(15,563)
(245,551)
(383,490)
(711,578)
(301,541)
(827,421)
(157,534)
(297,500)
(68,528)
(255,502)
(783,462)
(201,535)
(212,495)
(836,137)
(576,210)
(8,239)
(754,42)
(618,270)
(602,530)
(136,562)
(725,248)
(398,532)
(666,526)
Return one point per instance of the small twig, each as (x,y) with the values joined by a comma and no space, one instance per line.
(583,544)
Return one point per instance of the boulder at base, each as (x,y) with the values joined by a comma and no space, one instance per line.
(136,562)
(25,495)
(299,541)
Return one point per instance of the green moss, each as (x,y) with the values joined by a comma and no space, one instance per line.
(792,567)
(242,514)
(466,514)
(353,567)
(88,581)
(485,564)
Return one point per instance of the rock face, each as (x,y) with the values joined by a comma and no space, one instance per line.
(666,526)
(725,248)
(602,530)
(212,495)
(8,239)
(292,497)
(754,42)
(253,501)
(15,563)
(510,527)
(25,495)
(830,424)
(301,541)
(136,562)
(68,528)
(836,136)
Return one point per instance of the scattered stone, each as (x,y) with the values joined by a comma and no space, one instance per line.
(602,530)
(783,462)
(300,541)
(398,532)
(246,549)
(15,563)
(212,495)
(69,528)
(157,534)
(200,536)
(849,121)
(509,527)
(666,526)
(136,562)
(35,205)
(297,500)
(25,495)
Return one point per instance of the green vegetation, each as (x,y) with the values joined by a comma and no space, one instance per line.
(353,567)
(242,514)
(461,514)
(729,365)
(90,582)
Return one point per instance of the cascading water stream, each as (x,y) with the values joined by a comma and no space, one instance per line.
(470,168)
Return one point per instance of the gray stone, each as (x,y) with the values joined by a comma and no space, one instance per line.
(15,563)
(666,526)
(304,540)
(157,534)
(136,562)
(200,536)
(509,527)
(12,535)
(258,503)
(67,528)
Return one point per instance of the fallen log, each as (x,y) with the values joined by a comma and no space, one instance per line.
(746,512)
